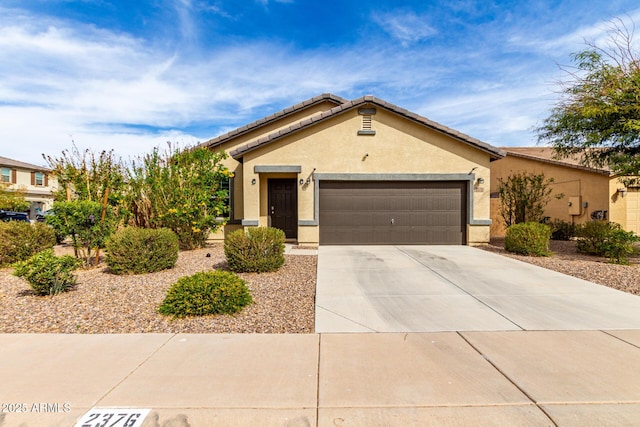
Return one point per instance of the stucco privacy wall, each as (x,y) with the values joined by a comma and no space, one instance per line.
(597,190)
(399,148)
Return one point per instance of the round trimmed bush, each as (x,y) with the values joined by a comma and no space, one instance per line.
(257,250)
(20,240)
(48,274)
(212,292)
(133,250)
(528,238)
(608,239)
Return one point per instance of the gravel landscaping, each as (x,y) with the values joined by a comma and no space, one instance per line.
(106,303)
(283,301)
(566,260)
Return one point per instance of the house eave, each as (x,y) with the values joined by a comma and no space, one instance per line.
(243,130)
(494,153)
(560,163)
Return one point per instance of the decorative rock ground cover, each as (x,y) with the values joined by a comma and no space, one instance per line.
(107,303)
(283,300)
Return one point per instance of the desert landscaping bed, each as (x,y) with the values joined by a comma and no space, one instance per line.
(566,260)
(106,303)
(283,301)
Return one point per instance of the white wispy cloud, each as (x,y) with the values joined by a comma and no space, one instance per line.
(598,32)
(186,23)
(63,80)
(407,27)
(266,2)
(71,81)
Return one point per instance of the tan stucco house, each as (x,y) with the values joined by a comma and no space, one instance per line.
(589,193)
(35,181)
(333,171)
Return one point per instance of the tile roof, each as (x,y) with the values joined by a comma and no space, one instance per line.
(368,99)
(266,120)
(547,155)
(5,161)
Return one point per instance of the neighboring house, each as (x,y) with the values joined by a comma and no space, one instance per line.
(589,193)
(36,182)
(332,171)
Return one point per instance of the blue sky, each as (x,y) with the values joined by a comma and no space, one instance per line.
(131,75)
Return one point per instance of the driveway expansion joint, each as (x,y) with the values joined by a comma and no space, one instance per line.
(346,318)
(608,332)
(454,284)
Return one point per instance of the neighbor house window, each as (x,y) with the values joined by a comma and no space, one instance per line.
(6,175)
(39,178)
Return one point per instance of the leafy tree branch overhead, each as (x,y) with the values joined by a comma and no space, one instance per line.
(598,116)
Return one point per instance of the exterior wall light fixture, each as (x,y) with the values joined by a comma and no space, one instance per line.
(253,181)
(622,191)
(480,181)
(301,181)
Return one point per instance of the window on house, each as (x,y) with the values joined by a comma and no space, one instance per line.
(226,188)
(6,175)
(39,178)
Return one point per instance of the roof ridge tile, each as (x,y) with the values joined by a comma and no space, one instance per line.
(257,123)
(348,105)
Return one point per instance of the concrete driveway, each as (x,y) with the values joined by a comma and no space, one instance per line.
(457,288)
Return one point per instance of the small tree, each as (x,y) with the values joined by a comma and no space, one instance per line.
(597,118)
(82,220)
(85,175)
(89,204)
(523,197)
(180,190)
(12,200)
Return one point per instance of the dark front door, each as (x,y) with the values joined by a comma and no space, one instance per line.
(283,206)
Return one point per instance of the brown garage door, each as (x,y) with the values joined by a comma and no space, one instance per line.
(392,212)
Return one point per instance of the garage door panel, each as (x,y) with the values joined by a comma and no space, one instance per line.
(391,212)
(401,236)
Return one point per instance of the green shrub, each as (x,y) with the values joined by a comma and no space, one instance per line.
(48,274)
(528,238)
(141,250)
(561,230)
(214,292)
(619,246)
(258,249)
(186,190)
(20,240)
(593,235)
(82,220)
(604,238)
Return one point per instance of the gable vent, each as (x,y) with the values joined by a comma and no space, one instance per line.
(367,120)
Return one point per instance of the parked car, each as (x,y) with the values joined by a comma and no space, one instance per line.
(42,216)
(13,216)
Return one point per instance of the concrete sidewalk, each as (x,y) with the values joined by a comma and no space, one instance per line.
(567,378)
